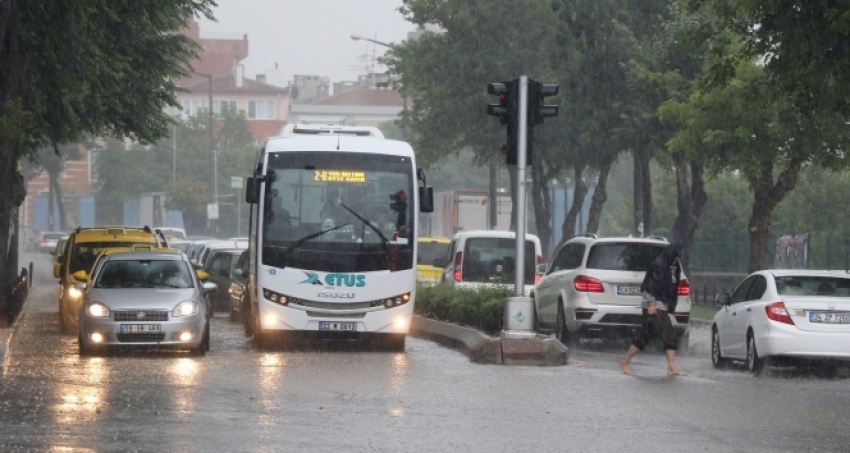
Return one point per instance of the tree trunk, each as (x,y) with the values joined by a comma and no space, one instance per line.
(766,196)
(492,208)
(600,195)
(689,201)
(56,193)
(542,200)
(568,228)
(643,191)
(12,183)
(514,187)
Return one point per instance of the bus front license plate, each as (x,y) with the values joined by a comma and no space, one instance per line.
(326,325)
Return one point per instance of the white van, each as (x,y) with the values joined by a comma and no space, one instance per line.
(485,258)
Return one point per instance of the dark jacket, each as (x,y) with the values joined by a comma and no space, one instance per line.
(659,282)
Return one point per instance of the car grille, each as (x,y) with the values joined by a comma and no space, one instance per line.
(140,337)
(133,315)
(335,315)
(330,305)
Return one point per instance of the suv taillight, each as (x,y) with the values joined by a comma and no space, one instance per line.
(684,288)
(458,274)
(777,312)
(585,284)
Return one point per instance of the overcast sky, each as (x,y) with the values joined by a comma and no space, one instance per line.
(309,37)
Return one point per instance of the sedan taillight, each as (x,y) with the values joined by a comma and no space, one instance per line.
(585,284)
(777,312)
(458,273)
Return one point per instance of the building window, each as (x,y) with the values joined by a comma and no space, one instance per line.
(261,110)
(191,107)
(218,106)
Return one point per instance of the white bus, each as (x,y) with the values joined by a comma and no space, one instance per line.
(333,235)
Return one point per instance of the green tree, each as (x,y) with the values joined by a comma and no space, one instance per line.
(70,67)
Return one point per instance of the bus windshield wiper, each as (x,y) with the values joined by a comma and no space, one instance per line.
(384,241)
(301,241)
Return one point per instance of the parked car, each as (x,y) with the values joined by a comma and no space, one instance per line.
(222,263)
(431,250)
(172,232)
(486,258)
(46,241)
(202,259)
(238,301)
(59,251)
(592,289)
(784,316)
(143,299)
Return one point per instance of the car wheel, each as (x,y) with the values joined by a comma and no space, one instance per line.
(84,350)
(206,339)
(754,362)
(204,346)
(561,332)
(535,322)
(717,358)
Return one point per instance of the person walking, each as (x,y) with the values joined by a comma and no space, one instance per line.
(660,287)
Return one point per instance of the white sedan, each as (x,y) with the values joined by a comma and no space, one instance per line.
(794,315)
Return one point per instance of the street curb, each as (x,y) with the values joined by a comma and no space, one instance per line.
(7,333)
(482,348)
(478,346)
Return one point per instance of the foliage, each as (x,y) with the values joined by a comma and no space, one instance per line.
(180,165)
(481,309)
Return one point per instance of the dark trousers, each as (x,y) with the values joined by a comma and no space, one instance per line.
(653,326)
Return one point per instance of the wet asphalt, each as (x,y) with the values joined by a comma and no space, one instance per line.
(339,396)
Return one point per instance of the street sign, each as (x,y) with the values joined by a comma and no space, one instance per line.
(212,211)
(235,182)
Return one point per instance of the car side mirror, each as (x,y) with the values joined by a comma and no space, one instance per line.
(209,287)
(81,275)
(426,199)
(723,299)
(57,270)
(237,272)
(252,191)
(202,275)
(542,268)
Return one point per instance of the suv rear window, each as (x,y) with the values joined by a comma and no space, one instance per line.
(623,256)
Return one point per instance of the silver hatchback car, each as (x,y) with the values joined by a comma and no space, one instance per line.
(145,299)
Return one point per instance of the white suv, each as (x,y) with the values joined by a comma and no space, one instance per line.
(487,258)
(592,289)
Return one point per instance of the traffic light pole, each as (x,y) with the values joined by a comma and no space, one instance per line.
(522,143)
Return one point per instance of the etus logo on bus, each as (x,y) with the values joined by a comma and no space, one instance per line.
(348,280)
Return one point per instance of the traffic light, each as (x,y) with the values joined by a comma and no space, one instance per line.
(500,110)
(537,108)
(507,111)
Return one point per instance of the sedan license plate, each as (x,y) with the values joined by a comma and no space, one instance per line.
(628,290)
(140,328)
(327,325)
(829,318)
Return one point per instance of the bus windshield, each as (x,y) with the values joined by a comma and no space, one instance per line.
(338,212)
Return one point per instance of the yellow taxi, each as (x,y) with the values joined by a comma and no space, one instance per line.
(81,251)
(430,249)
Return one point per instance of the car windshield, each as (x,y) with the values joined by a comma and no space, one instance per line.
(430,251)
(84,254)
(144,274)
(623,256)
(804,285)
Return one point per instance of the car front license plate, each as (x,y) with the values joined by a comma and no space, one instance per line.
(327,325)
(829,318)
(141,328)
(628,290)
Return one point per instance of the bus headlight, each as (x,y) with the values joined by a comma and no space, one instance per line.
(98,310)
(186,308)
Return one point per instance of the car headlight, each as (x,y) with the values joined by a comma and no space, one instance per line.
(98,310)
(74,292)
(186,308)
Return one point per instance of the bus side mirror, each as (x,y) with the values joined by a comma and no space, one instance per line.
(252,191)
(426,199)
